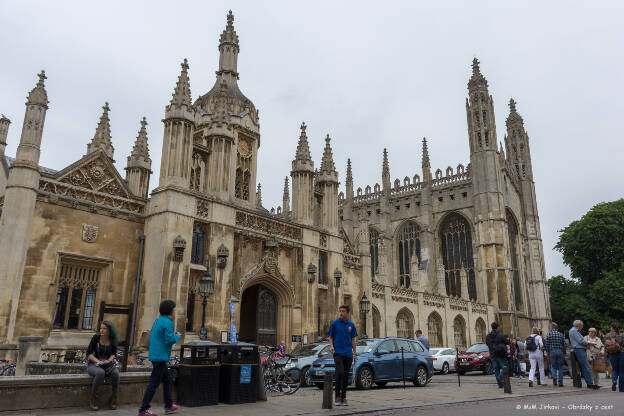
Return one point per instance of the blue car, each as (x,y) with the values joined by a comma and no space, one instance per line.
(381,360)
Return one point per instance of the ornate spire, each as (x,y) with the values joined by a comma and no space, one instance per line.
(286,188)
(385,170)
(182,92)
(140,151)
(425,155)
(286,197)
(4,131)
(303,149)
(327,164)
(259,196)
(38,95)
(514,117)
(477,81)
(102,137)
(228,48)
(349,181)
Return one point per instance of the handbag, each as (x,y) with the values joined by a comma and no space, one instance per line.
(600,366)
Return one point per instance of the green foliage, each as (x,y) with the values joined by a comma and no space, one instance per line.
(593,248)
(594,245)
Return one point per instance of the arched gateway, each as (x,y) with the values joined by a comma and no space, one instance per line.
(258,315)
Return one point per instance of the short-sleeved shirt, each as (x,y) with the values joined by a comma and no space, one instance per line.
(99,351)
(424,341)
(342,333)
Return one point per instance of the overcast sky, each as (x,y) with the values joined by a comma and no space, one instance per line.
(371,74)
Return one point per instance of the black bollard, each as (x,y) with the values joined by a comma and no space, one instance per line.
(403,365)
(328,397)
(262,396)
(506,381)
(576,377)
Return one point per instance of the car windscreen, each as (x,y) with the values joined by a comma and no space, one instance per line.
(364,346)
(305,350)
(434,351)
(477,348)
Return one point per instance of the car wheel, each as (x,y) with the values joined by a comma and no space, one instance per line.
(364,379)
(488,369)
(381,383)
(420,378)
(445,368)
(320,386)
(306,377)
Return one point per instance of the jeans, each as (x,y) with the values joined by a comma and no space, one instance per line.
(98,374)
(343,366)
(498,363)
(617,363)
(581,357)
(536,358)
(160,374)
(556,365)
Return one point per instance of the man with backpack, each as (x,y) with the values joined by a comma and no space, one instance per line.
(614,341)
(497,344)
(534,344)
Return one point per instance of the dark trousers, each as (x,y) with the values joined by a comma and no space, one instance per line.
(160,374)
(617,363)
(343,366)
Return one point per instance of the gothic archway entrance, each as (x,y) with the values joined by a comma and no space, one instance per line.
(259,310)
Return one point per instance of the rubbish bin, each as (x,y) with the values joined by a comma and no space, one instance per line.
(238,377)
(198,382)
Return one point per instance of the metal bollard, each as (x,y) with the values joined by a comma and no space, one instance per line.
(328,397)
(576,377)
(506,381)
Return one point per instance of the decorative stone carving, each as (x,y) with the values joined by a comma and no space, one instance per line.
(222,255)
(90,233)
(267,225)
(433,300)
(458,304)
(311,273)
(479,308)
(202,208)
(96,175)
(179,245)
(323,240)
(268,265)
(338,277)
(404,295)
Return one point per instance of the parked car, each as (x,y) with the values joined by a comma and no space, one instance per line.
(443,359)
(475,358)
(302,358)
(380,360)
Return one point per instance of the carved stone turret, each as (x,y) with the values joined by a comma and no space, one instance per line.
(327,182)
(139,166)
(102,137)
(302,175)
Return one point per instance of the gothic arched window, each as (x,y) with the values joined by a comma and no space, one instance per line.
(405,324)
(376,322)
(456,244)
(408,244)
(480,330)
(374,251)
(197,247)
(434,330)
(512,228)
(459,329)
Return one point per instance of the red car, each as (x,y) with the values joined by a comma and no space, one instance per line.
(475,358)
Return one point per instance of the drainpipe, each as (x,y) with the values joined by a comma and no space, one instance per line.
(136,292)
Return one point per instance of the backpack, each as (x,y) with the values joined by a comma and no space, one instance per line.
(530,343)
(500,350)
(612,346)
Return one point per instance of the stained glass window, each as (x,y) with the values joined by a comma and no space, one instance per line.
(408,244)
(456,244)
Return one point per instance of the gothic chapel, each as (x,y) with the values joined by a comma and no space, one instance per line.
(448,251)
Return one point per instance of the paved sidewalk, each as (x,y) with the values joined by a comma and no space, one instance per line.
(442,390)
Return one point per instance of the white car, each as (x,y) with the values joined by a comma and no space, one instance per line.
(443,359)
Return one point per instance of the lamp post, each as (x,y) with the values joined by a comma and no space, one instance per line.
(365,308)
(205,287)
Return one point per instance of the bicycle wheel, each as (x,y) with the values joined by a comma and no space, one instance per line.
(289,384)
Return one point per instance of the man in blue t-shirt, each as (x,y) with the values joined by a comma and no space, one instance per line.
(342,335)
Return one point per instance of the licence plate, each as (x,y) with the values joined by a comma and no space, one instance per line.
(320,373)
(464,360)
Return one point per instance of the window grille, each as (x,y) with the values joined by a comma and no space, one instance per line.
(76,296)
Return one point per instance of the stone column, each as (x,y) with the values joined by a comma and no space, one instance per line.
(29,351)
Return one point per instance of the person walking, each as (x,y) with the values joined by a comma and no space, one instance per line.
(101,354)
(497,344)
(595,353)
(162,338)
(342,334)
(614,341)
(579,348)
(534,344)
(423,340)
(520,357)
(556,349)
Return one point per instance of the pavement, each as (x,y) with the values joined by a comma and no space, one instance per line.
(477,395)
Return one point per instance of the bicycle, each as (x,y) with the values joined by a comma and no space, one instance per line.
(8,368)
(276,380)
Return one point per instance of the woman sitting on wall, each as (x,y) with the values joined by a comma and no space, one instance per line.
(101,354)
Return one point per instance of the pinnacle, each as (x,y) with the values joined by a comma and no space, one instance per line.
(385,165)
(102,137)
(477,80)
(182,92)
(327,164)
(259,196)
(286,192)
(140,151)
(349,171)
(229,34)
(475,66)
(38,95)
(303,149)
(514,116)
(425,155)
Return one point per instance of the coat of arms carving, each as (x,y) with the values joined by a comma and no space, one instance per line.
(90,233)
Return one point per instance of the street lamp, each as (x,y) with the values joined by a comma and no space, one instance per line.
(365,309)
(205,287)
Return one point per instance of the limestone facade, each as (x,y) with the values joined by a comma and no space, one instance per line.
(446,251)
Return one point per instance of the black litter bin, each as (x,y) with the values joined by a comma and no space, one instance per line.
(238,378)
(198,382)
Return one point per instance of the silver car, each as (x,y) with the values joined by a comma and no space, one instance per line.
(443,359)
(302,358)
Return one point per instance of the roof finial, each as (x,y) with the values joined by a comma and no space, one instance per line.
(477,80)
(349,171)
(385,170)
(42,78)
(230,19)
(475,66)
(102,137)
(514,118)
(259,196)
(425,154)
(38,95)
(140,151)
(303,149)
(182,92)
(327,164)
(512,105)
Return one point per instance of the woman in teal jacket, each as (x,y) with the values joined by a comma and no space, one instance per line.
(162,338)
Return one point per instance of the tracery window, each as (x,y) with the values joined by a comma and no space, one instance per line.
(374,251)
(76,296)
(408,244)
(512,228)
(376,322)
(434,330)
(480,330)
(241,185)
(405,324)
(196,172)
(456,244)
(459,330)
(322,268)
(197,248)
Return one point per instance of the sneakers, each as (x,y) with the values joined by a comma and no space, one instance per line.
(593,386)
(147,412)
(530,384)
(344,402)
(555,382)
(170,410)
(338,401)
